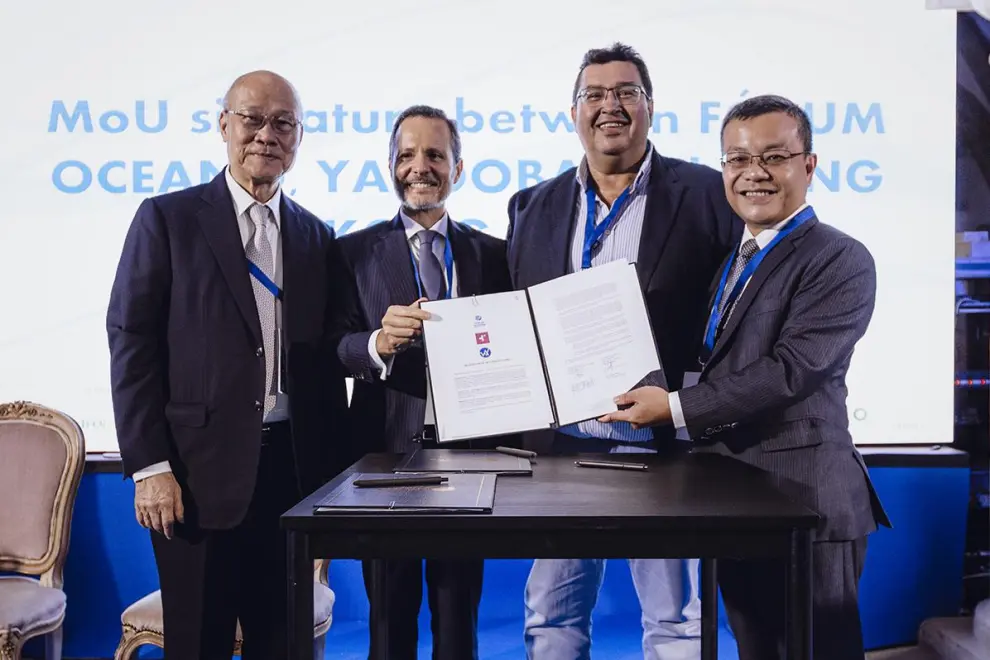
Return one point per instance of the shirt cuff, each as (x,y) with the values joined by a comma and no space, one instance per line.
(384,366)
(677,416)
(152,470)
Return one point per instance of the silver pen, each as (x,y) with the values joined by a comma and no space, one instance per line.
(611,464)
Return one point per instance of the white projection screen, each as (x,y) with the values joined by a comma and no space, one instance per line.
(109,102)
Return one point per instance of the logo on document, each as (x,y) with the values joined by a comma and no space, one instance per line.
(485,352)
(481,338)
(478,321)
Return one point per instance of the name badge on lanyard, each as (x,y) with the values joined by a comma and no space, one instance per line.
(448,262)
(276,292)
(593,234)
(715,318)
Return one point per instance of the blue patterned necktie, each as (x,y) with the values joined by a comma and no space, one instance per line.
(430,271)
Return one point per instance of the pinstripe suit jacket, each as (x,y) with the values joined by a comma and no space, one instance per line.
(387,415)
(773,391)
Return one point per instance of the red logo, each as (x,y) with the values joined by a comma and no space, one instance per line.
(481,337)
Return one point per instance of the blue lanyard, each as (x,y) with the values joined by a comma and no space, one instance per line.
(715,318)
(592,234)
(264,279)
(448,262)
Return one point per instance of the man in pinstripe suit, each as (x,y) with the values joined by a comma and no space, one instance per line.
(790,304)
(421,254)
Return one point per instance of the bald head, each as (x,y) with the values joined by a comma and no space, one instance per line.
(261,123)
(260,82)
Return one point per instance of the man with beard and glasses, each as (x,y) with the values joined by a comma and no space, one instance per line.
(670,217)
(422,254)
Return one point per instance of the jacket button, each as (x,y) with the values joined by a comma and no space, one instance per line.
(709,431)
(260,351)
(258,405)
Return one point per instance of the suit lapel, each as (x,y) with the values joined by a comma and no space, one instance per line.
(770,263)
(558,221)
(219,225)
(662,203)
(467,260)
(395,264)
(294,251)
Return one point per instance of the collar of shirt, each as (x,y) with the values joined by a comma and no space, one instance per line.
(243,201)
(412,227)
(638,183)
(764,237)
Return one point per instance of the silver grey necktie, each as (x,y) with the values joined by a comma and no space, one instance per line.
(430,271)
(259,250)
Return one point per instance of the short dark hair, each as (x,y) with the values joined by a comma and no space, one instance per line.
(431,113)
(617,52)
(764,105)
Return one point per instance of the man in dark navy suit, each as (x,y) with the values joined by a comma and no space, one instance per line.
(624,201)
(422,254)
(792,299)
(230,404)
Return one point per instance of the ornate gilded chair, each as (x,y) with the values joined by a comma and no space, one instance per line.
(42,456)
(142,621)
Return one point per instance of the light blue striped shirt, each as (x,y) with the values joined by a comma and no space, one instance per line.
(620,242)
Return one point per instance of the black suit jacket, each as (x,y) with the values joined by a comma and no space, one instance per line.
(187,376)
(388,414)
(773,392)
(687,229)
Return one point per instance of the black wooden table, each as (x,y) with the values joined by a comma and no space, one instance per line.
(695,505)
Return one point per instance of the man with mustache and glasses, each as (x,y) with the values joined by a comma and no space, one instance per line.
(670,217)
(229,401)
(792,299)
(422,254)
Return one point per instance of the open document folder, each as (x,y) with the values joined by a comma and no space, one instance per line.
(555,354)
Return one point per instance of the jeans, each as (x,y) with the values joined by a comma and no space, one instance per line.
(561,595)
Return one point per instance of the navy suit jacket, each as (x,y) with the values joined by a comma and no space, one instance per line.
(388,414)
(187,375)
(773,392)
(687,229)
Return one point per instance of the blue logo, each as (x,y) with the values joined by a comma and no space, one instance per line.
(485,352)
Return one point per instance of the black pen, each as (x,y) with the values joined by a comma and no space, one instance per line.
(425,480)
(512,451)
(611,464)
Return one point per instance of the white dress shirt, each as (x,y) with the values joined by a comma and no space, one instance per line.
(412,238)
(242,202)
(762,240)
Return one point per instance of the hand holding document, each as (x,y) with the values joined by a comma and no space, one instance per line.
(555,354)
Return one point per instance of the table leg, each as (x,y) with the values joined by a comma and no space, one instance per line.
(379,611)
(798,640)
(709,609)
(300,595)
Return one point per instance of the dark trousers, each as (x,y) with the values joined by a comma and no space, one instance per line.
(454,594)
(754,597)
(211,579)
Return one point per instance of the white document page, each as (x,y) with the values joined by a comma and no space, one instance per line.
(485,367)
(596,338)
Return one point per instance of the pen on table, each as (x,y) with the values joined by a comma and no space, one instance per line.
(426,480)
(512,451)
(611,464)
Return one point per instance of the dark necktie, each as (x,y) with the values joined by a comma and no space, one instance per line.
(430,271)
(746,254)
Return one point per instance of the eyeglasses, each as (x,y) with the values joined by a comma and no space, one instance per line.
(256,122)
(628,94)
(740,160)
